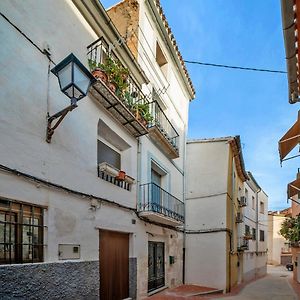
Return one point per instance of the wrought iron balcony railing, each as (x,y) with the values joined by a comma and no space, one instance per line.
(164,131)
(123,103)
(243,245)
(155,199)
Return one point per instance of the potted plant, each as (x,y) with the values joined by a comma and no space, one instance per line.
(121,176)
(142,113)
(97,70)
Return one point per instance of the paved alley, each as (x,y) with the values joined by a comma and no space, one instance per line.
(275,286)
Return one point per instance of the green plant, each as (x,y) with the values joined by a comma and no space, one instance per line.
(94,65)
(290,229)
(143,110)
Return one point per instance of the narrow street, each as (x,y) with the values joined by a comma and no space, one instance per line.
(274,286)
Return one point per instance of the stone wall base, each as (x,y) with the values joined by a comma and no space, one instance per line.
(65,280)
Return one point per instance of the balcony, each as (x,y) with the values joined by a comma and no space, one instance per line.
(239,218)
(243,201)
(243,245)
(159,206)
(163,132)
(117,92)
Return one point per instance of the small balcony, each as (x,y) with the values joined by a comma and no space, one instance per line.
(239,218)
(159,206)
(243,245)
(116,90)
(163,132)
(243,201)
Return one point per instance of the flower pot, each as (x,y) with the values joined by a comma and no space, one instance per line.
(100,74)
(121,176)
(112,86)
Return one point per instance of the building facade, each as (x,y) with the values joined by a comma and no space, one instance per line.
(214,244)
(290,12)
(279,250)
(255,210)
(101,203)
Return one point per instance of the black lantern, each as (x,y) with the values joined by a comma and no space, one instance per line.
(74,79)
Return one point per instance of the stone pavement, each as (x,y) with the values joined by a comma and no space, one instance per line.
(274,286)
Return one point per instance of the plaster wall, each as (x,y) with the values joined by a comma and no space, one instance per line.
(71,158)
(206,259)
(275,241)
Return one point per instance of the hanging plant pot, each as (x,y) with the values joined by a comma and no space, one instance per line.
(112,86)
(100,74)
(121,176)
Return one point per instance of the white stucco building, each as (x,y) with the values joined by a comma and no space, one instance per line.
(254,229)
(226,211)
(64,212)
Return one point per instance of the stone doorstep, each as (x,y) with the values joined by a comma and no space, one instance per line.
(207,293)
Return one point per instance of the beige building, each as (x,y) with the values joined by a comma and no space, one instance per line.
(279,251)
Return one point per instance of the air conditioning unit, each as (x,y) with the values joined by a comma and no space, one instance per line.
(239,218)
(243,201)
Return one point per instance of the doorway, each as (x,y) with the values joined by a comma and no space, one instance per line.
(114,265)
(156,191)
(156,265)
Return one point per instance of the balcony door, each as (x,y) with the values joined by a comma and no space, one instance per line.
(156,191)
(156,265)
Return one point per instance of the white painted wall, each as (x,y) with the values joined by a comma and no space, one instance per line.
(207,169)
(275,241)
(71,158)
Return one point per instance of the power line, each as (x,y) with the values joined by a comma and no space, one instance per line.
(234,67)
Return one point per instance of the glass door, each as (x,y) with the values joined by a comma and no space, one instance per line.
(156,204)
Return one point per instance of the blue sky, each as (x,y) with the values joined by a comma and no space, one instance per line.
(231,102)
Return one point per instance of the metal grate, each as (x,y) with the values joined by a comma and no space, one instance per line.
(122,184)
(154,198)
(21,232)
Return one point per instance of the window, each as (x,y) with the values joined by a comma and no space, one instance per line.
(261,235)
(261,207)
(161,60)
(247,229)
(246,194)
(21,232)
(107,154)
(253,234)
(253,202)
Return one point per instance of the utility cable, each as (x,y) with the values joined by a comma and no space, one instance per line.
(234,67)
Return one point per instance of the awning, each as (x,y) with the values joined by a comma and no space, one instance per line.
(288,142)
(293,188)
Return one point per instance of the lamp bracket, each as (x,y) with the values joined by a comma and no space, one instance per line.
(60,116)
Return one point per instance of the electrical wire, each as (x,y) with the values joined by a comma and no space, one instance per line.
(234,67)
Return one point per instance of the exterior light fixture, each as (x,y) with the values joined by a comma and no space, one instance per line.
(74,81)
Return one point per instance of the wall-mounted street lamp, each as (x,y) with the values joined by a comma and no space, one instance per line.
(74,81)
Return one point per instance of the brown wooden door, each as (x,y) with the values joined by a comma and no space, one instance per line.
(114,265)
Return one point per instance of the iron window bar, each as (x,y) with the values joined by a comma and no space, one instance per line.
(161,121)
(122,184)
(14,226)
(117,105)
(154,198)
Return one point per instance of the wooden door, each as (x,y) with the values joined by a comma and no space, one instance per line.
(114,265)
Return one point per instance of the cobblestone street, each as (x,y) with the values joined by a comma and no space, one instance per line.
(274,286)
